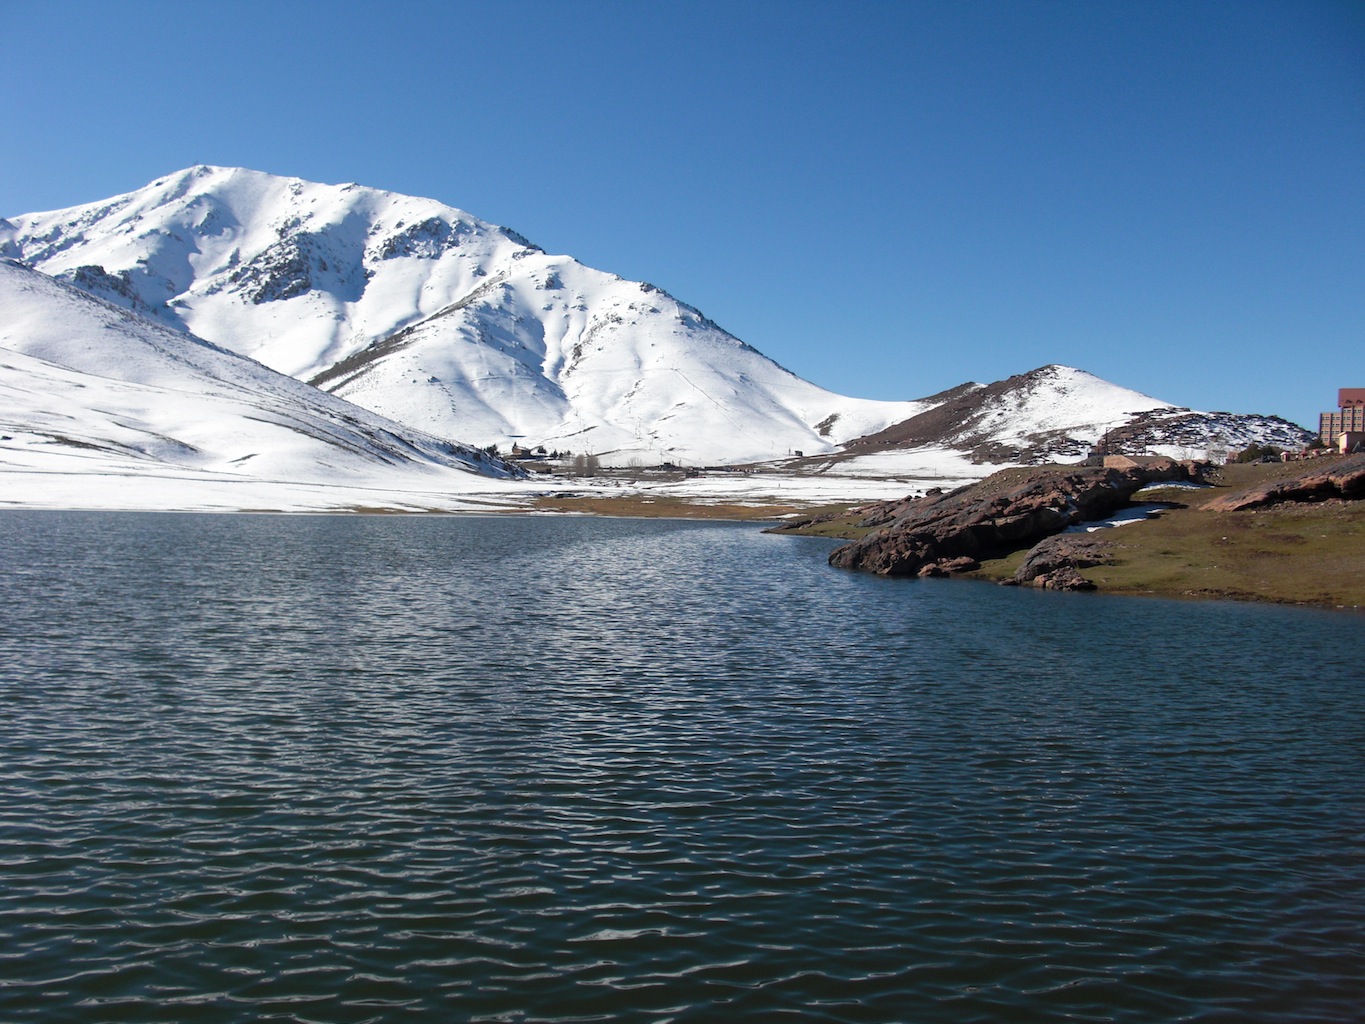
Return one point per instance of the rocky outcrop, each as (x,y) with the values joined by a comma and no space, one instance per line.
(948,566)
(1007,511)
(1200,431)
(1336,478)
(1055,562)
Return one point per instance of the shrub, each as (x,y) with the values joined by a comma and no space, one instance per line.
(1256,452)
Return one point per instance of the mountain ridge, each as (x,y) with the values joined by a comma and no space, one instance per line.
(460,328)
(500,340)
(1014,421)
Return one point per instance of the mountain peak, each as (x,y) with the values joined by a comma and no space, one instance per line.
(424,313)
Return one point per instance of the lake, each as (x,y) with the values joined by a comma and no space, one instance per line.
(345,769)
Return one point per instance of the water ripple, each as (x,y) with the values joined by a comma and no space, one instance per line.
(327,769)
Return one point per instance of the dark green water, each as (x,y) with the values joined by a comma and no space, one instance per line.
(546,769)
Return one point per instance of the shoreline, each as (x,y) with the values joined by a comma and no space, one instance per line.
(1300,553)
(1309,554)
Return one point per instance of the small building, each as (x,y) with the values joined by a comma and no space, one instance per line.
(1350,441)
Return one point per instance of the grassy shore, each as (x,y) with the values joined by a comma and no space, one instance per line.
(1289,553)
(1298,554)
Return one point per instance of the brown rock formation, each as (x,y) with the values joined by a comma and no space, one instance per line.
(1337,478)
(1055,562)
(948,566)
(1004,512)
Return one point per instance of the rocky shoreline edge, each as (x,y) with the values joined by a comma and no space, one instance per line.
(1012,526)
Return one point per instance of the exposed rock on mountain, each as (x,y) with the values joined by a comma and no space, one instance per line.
(1047,414)
(1058,414)
(1181,433)
(1007,511)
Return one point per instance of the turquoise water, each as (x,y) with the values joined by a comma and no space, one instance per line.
(553,769)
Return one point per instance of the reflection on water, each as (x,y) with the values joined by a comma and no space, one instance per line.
(550,769)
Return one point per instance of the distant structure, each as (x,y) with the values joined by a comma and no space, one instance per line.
(1137,461)
(1349,417)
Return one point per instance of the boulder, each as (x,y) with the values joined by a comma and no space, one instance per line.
(1055,562)
(1062,578)
(948,566)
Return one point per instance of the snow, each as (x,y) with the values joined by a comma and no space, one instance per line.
(78,480)
(89,391)
(778,488)
(503,341)
(1123,517)
(1176,485)
(422,323)
(111,488)
(934,464)
(1057,412)
(1065,398)
(102,409)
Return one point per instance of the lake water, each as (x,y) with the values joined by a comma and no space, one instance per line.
(344,769)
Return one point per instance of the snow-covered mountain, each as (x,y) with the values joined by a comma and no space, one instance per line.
(461,329)
(1058,413)
(438,320)
(1054,411)
(89,388)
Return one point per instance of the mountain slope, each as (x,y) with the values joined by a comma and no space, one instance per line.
(1051,414)
(88,387)
(1054,412)
(456,327)
(437,319)
(1183,433)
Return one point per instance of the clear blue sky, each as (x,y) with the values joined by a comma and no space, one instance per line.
(887,198)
